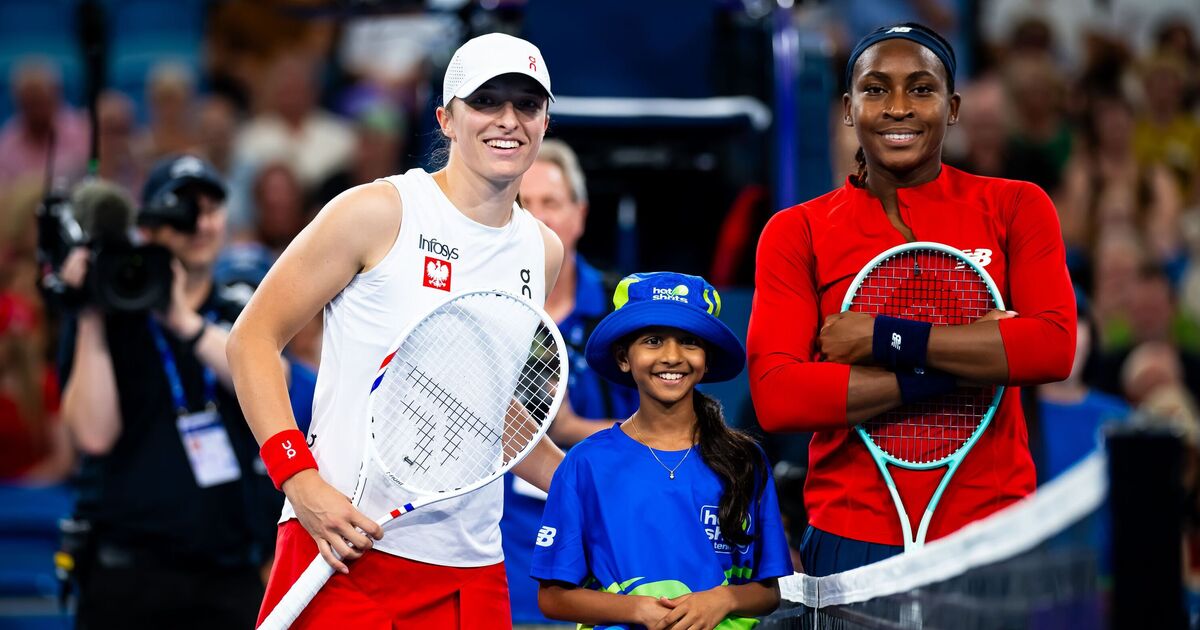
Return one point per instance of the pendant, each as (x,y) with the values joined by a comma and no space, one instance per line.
(672,474)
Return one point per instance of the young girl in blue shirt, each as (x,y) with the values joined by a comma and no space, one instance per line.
(670,518)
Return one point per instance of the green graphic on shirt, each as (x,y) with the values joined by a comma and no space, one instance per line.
(674,588)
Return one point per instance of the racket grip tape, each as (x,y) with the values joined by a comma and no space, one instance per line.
(298,596)
(285,454)
(900,343)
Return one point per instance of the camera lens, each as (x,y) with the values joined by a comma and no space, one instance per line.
(134,279)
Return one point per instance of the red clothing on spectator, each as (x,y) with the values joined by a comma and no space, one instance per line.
(807,257)
(23,443)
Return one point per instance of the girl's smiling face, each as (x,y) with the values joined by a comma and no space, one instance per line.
(665,363)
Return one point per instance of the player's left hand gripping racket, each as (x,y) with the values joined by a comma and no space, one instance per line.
(463,396)
(939,284)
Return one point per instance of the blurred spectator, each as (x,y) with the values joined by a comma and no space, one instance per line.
(280,212)
(239,269)
(33,444)
(279,207)
(246,37)
(18,238)
(1142,22)
(1039,143)
(1149,367)
(392,50)
(170,95)
(291,128)
(982,131)
(1151,329)
(1174,405)
(1117,258)
(1055,28)
(1175,35)
(120,161)
(1107,191)
(1065,424)
(381,133)
(42,123)
(1167,134)
(217,121)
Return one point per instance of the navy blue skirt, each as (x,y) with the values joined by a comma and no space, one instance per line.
(824,553)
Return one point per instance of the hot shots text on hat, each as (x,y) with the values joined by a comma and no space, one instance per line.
(667,299)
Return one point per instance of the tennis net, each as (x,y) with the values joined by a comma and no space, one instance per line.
(1046,562)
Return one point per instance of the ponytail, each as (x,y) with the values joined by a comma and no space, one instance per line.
(738,463)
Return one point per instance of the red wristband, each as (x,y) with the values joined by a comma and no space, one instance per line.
(285,454)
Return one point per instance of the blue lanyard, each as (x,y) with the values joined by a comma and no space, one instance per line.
(168,361)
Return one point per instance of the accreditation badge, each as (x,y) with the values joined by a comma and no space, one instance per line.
(208,448)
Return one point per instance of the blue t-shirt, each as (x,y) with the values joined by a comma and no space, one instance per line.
(616,522)
(1071,431)
(591,398)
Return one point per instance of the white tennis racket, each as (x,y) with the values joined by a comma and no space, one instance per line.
(462,397)
(939,284)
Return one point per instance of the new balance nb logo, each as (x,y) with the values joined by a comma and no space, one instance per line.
(896,341)
(980,256)
(545,536)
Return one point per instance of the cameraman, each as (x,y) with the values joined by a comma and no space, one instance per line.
(168,482)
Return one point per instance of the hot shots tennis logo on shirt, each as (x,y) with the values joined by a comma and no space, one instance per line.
(711,520)
(437,274)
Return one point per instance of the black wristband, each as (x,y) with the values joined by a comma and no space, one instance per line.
(900,343)
(924,383)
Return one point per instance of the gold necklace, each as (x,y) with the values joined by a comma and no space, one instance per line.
(670,471)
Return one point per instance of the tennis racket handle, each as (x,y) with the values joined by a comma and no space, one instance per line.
(299,595)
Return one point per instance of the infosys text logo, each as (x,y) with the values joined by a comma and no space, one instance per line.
(678,294)
(434,247)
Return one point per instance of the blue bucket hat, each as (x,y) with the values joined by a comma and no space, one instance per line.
(675,300)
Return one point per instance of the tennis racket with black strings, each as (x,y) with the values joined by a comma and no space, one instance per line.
(463,396)
(935,283)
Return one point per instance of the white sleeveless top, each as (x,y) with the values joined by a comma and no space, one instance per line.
(438,250)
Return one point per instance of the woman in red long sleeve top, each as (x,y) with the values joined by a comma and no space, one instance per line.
(811,367)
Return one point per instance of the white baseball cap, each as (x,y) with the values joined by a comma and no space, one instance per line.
(489,56)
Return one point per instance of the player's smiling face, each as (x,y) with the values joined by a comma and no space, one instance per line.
(666,363)
(497,129)
(900,105)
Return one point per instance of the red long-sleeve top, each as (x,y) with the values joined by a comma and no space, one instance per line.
(807,257)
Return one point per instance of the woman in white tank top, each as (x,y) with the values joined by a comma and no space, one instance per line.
(365,261)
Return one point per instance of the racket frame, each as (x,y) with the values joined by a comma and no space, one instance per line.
(305,588)
(953,460)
